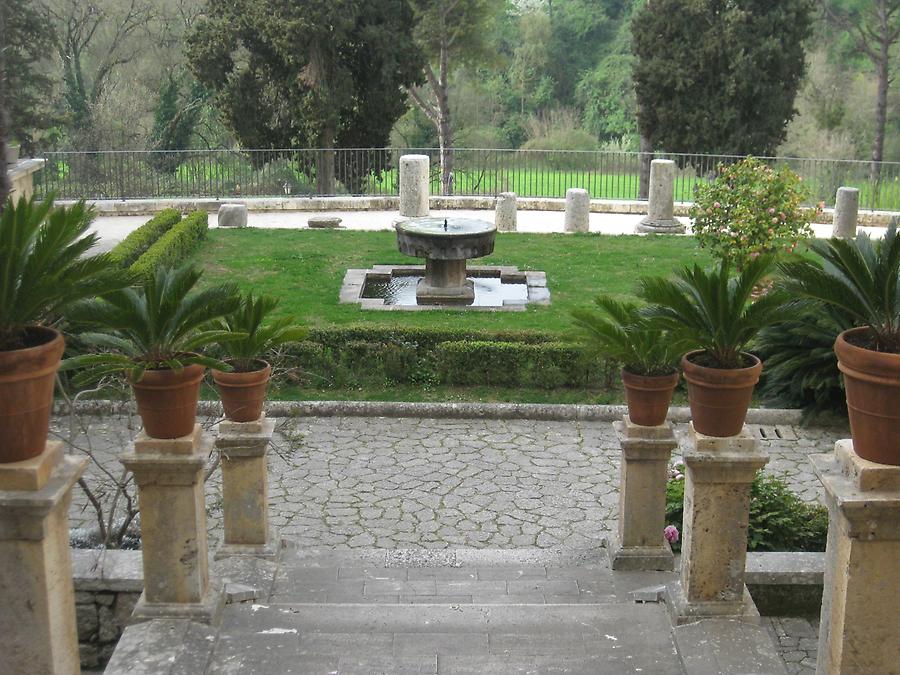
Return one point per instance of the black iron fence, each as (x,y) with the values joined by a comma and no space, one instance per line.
(373,172)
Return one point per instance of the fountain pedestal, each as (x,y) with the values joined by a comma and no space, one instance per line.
(445,283)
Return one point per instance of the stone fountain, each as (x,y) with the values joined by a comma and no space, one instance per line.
(445,244)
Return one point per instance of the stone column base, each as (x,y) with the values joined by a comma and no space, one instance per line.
(682,611)
(270,550)
(650,226)
(641,558)
(208,611)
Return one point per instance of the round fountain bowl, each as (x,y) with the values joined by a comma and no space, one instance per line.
(463,238)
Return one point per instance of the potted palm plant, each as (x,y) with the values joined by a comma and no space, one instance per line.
(649,355)
(715,311)
(243,388)
(44,267)
(862,279)
(151,333)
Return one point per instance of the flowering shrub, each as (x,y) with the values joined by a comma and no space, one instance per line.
(751,209)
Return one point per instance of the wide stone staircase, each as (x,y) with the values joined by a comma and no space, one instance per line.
(427,611)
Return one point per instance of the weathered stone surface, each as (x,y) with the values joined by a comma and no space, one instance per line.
(414,186)
(661,206)
(846,213)
(505,214)
(578,210)
(716,646)
(232,215)
(324,222)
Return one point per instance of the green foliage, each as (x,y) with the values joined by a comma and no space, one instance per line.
(619,331)
(717,76)
(44,266)
(779,519)
(260,338)
(174,247)
(801,366)
(859,277)
(174,121)
(749,210)
(157,325)
(136,244)
(713,310)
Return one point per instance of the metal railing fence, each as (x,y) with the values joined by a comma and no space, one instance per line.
(132,174)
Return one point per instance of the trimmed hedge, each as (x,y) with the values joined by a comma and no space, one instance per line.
(132,247)
(175,246)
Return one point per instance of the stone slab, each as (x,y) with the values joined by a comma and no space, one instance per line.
(185,445)
(172,646)
(716,646)
(229,428)
(867,476)
(232,215)
(31,474)
(207,611)
(324,222)
(682,611)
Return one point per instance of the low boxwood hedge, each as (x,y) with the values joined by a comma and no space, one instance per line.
(136,244)
(175,246)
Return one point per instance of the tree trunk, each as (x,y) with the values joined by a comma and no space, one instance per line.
(881,101)
(4,125)
(646,150)
(325,183)
(445,130)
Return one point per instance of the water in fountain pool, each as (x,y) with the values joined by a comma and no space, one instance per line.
(401,290)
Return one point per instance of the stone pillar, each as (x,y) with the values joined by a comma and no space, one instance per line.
(245,488)
(414,188)
(37,598)
(640,544)
(860,627)
(505,217)
(578,210)
(661,206)
(718,475)
(21,177)
(169,476)
(232,215)
(846,213)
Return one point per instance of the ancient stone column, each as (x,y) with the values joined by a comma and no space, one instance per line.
(718,475)
(414,189)
(661,206)
(578,210)
(505,217)
(37,598)
(245,488)
(846,213)
(640,544)
(860,626)
(232,215)
(169,476)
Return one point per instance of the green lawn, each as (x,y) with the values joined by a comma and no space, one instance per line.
(305,269)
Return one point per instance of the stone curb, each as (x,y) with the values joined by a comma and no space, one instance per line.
(500,411)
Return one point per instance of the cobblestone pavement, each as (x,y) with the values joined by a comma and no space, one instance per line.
(797,640)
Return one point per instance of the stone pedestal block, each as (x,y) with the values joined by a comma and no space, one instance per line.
(846,213)
(578,210)
(414,190)
(860,625)
(640,544)
(718,475)
(245,488)
(232,215)
(37,597)
(169,476)
(505,216)
(661,206)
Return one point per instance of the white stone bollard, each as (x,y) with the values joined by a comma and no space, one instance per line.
(578,210)
(505,216)
(859,631)
(232,215)
(414,190)
(846,213)
(661,206)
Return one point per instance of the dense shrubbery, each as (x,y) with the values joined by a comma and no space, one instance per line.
(136,244)
(174,247)
(779,519)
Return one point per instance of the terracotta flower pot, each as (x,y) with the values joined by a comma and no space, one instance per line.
(872,382)
(26,394)
(648,397)
(243,394)
(719,397)
(167,400)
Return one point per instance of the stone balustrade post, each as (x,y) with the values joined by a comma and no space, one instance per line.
(846,213)
(21,177)
(169,475)
(245,488)
(505,215)
(661,205)
(859,631)
(37,596)
(641,544)
(718,476)
(578,210)
(414,186)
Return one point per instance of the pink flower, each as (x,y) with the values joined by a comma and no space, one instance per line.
(771,211)
(717,205)
(671,534)
(754,255)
